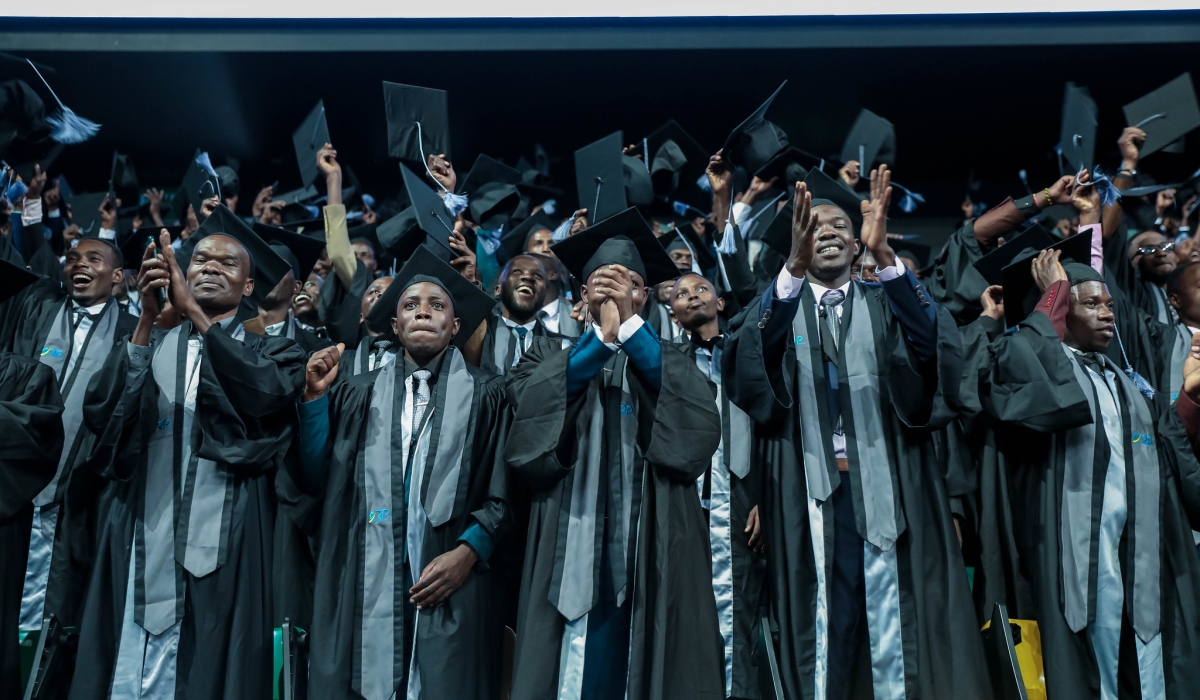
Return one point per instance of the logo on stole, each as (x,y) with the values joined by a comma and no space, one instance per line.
(164,424)
(53,352)
(626,409)
(1142,439)
(379,515)
(799,340)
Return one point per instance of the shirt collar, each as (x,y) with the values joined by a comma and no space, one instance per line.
(434,365)
(276,328)
(513,324)
(90,310)
(819,290)
(550,310)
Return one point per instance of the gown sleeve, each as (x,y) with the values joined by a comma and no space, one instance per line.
(542,432)
(31,430)
(687,426)
(121,411)
(341,306)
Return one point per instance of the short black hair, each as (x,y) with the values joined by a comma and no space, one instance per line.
(1175,279)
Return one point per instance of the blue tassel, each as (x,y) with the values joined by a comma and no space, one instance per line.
(910,200)
(703,183)
(1024,180)
(1137,379)
(313,211)
(455,203)
(728,245)
(368,200)
(680,208)
(1109,194)
(70,128)
(549,206)
(563,231)
(15,191)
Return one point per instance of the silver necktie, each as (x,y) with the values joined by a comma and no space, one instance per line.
(830,300)
(420,400)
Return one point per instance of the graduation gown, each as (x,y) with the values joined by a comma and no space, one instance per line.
(31,439)
(675,648)
(341,308)
(70,506)
(197,518)
(729,490)
(939,652)
(1053,514)
(308,341)
(356,630)
(501,343)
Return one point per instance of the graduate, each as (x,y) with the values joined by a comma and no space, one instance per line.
(866,585)
(611,435)
(276,309)
(191,424)
(31,427)
(558,313)
(728,491)
(406,460)
(516,320)
(1099,496)
(70,324)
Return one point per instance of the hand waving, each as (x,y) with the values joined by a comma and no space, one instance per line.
(874,213)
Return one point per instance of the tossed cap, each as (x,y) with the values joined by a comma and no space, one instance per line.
(516,241)
(1020,291)
(685,237)
(871,140)
(622,239)
(600,177)
(1077,138)
(305,249)
(487,170)
(1166,115)
(312,135)
(471,304)
(756,140)
(408,106)
(429,209)
(13,279)
(991,266)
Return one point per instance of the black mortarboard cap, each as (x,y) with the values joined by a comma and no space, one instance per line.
(1020,291)
(85,211)
(622,239)
(600,177)
(471,304)
(306,248)
(918,252)
(132,244)
(639,189)
(267,268)
(753,142)
(493,204)
(1166,115)
(787,164)
(991,266)
(13,279)
(825,190)
(297,196)
(310,138)
(516,240)
(1077,138)
(872,140)
(683,179)
(487,170)
(686,236)
(429,209)
(22,115)
(407,106)
(198,185)
(44,159)
(391,232)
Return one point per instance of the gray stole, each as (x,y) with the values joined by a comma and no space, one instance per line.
(56,354)
(1181,343)
(504,349)
(1077,449)
(1163,312)
(289,328)
(574,585)
(441,447)
(185,513)
(859,380)
(566,325)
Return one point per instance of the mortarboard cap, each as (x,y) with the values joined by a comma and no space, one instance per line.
(230,183)
(310,138)
(297,196)
(622,239)
(471,304)
(266,267)
(493,204)
(917,252)
(408,106)
(44,159)
(13,279)
(991,266)
(685,236)
(1077,138)
(788,166)
(825,190)
(199,184)
(680,181)
(516,241)
(1166,115)
(430,211)
(1020,290)
(600,177)
(85,211)
(753,142)
(487,170)
(639,188)
(401,236)
(133,244)
(305,248)
(872,140)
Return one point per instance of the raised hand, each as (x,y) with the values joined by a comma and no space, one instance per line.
(443,171)
(1086,199)
(1164,202)
(52,198)
(465,263)
(261,200)
(850,173)
(181,293)
(874,213)
(1047,269)
(804,226)
(1130,145)
(757,187)
(108,214)
(328,166)
(579,223)
(208,206)
(36,184)
(1060,191)
(154,200)
(321,370)
(993,302)
(272,213)
(720,175)
(152,276)
(614,284)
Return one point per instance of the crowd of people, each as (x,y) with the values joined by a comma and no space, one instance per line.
(716,433)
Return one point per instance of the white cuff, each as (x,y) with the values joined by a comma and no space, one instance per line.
(786,286)
(741,212)
(108,234)
(600,337)
(31,213)
(627,329)
(888,274)
(54,214)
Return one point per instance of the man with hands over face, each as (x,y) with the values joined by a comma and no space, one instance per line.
(191,424)
(610,436)
(405,459)
(844,382)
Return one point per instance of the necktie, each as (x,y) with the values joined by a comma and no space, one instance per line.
(830,300)
(521,332)
(379,348)
(420,400)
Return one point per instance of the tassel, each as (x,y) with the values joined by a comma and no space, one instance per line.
(910,200)
(313,211)
(1109,194)
(1024,180)
(1137,379)
(728,245)
(563,231)
(703,183)
(15,191)
(68,127)
(368,200)
(455,203)
(680,208)
(549,206)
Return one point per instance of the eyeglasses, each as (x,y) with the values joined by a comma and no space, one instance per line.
(1152,249)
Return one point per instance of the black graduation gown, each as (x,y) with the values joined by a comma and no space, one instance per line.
(31,439)
(675,645)
(460,641)
(1028,388)
(341,308)
(245,411)
(498,331)
(942,650)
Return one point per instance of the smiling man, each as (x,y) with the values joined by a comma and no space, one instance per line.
(844,380)
(728,490)
(1100,499)
(515,321)
(1153,257)
(192,423)
(70,326)
(414,503)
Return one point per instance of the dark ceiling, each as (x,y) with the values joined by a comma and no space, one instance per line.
(957,110)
